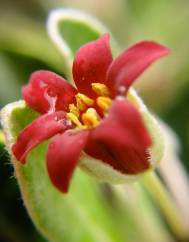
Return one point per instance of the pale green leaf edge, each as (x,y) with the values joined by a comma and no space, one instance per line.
(60,15)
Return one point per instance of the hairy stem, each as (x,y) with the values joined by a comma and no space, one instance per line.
(165,202)
(144,215)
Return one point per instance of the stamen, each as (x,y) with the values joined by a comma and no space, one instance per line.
(73,109)
(104,103)
(83,101)
(74,119)
(100,89)
(90,118)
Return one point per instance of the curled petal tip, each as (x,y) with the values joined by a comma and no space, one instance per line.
(130,64)
(163,50)
(48,91)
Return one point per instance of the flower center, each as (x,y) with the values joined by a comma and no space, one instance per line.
(86,112)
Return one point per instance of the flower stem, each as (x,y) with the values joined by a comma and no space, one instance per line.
(165,202)
(144,215)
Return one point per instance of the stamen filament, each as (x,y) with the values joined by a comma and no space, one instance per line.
(73,109)
(74,119)
(83,101)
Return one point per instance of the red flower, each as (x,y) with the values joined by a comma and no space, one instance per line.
(96,117)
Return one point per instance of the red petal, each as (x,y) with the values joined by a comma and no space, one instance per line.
(47,91)
(91,63)
(121,140)
(131,63)
(39,130)
(62,157)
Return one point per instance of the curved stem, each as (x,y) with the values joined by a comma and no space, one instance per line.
(165,202)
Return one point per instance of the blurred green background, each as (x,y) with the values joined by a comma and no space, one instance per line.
(25,47)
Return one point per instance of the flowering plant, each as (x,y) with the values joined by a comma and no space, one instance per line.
(100,125)
(96,117)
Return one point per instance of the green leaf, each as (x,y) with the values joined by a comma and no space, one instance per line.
(69,29)
(80,215)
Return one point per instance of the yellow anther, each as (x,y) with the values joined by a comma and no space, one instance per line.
(74,119)
(100,89)
(104,103)
(90,118)
(73,109)
(83,101)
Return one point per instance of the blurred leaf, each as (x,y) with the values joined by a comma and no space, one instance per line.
(171,167)
(28,38)
(15,70)
(10,88)
(11,232)
(156,20)
(178,117)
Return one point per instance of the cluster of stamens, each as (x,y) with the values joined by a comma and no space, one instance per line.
(83,113)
